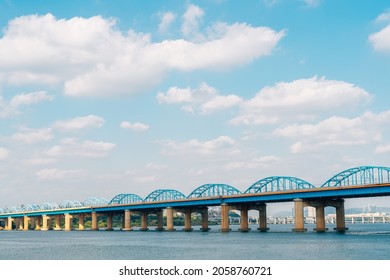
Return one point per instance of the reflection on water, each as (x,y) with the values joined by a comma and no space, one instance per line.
(361,241)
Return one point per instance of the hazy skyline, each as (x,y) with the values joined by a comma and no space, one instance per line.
(100,98)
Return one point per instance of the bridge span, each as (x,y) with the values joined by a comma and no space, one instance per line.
(363,181)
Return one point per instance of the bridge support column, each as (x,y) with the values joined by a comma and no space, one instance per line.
(320,218)
(225,218)
(127,221)
(45,227)
(340,216)
(144,221)
(68,222)
(244,227)
(25,222)
(94,225)
(298,216)
(58,223)
(160,220)
(262,217)
(205,220)
(187,221)
(170,219)
(109,222)
(81,221)
(38,221)
(8,225)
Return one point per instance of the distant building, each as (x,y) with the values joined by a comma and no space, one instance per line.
(311,212)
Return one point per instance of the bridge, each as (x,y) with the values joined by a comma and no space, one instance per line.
(363,181)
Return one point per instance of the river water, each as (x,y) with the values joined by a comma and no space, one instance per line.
(360,242)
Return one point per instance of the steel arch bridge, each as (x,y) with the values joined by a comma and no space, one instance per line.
(125,198)
(279,183)
(49,206)
(164,194)
(70,204)
(210,190)
(362,175)
(31,207)
(94,201)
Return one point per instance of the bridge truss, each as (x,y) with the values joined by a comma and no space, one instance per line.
(279,183)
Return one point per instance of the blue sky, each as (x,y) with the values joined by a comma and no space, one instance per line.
(105,97)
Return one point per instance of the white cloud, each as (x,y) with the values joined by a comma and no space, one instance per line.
(299,100)
(31,136)
(222,144)
(39,161)
(220,49)
(4,153)
(53,173)
(10,108)
(156,166)
(312,3)
(384,17)
(30,98)
(70,147)
(220,103)
(204,99)
(90,57)
(260,162)
(145,179)
(191,21)
(335,132)
(79,123)
(176,95)
(381,40)
(270,3)
(166,21)
(383,149)
(134,126)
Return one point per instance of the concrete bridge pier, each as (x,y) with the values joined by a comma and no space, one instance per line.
(244,226)
(94,224)
(298,215)
(127,221)
(144,221)
(340,215)
(68,222)
(109,221)
(26,219)
(262,208)
(45,219)
(225,218)
(320,218)
(8,223)
(205,219)
(170,219)
(160,220)
(187,220)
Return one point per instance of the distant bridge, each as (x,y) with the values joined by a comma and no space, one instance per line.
(363,181)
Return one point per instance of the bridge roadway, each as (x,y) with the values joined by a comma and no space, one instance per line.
(315,197)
